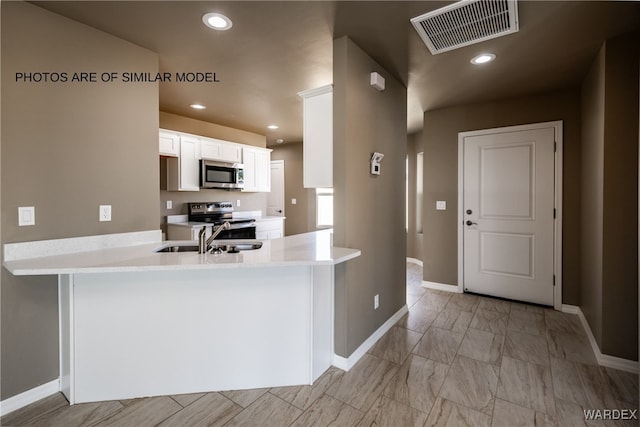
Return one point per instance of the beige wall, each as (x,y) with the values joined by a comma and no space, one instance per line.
(301,217)
(211,130)
(414,236)
(66,149)
(620,264)
(610,263)
(592,190)
(369,211)
(441,128)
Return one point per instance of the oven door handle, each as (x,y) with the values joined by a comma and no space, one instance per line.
(238,226)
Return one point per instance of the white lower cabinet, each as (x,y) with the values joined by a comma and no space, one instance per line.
(257,169)
(269,228)
(183,172)
(153,333)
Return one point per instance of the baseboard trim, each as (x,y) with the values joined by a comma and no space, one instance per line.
(28,397)
(440,286)
(346,363)
(603,359)
(414,261)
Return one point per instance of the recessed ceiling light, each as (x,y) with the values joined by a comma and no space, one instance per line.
(197,106)
(217,21)
(483,59)
(272,127)
(279,141)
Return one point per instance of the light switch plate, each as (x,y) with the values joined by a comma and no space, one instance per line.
(169,204)
(105,213)
(441,205)
(294,201)
(26,216)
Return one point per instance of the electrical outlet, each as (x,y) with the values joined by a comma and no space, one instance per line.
(26,216)
(376,301)
(169,204)
(105,213)
(294,201)
(238,202)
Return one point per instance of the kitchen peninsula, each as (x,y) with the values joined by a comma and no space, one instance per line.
(135,322)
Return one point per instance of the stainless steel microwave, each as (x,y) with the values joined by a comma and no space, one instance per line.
(227,176)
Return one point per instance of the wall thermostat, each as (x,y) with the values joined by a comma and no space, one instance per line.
(376,158)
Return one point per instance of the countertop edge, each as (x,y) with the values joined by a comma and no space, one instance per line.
(309,249)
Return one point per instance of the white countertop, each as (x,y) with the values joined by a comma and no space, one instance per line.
(303,249)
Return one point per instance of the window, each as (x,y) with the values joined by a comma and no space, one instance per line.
(324,207)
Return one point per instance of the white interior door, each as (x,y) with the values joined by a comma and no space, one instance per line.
(275,199)
(508,214)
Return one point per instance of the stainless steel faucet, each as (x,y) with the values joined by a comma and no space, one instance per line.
(201,247)
(204,246)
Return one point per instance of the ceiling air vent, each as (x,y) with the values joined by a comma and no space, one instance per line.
(466,22)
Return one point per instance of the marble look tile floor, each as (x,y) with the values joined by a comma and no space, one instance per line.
(454,360)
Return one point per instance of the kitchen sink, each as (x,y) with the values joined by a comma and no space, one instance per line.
(178,248)
(217,247)
(235,247)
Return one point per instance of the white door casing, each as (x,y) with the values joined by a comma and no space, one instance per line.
(509,243)
(275,199)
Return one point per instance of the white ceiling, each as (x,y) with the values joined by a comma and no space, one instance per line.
(277,48)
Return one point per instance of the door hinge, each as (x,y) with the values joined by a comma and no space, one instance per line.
(554,280)
(554,213)
(555,146)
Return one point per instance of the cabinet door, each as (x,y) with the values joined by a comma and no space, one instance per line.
(318,137)
(210,150)
(189,171)
(189,165)
(169,144)
(249,155)
(263,171)
(183,173)
(257,169)
(269,229)
(231,153)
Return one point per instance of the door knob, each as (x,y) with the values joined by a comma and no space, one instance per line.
(471,223)
(279,211)
(469,211)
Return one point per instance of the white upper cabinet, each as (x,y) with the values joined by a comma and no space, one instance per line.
(232,153)
(215,149)
(169,143)
(185,152)
(257,169)
(210,150)
(318,137)
(183,172)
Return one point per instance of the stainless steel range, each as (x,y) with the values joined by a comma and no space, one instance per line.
(217,213)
